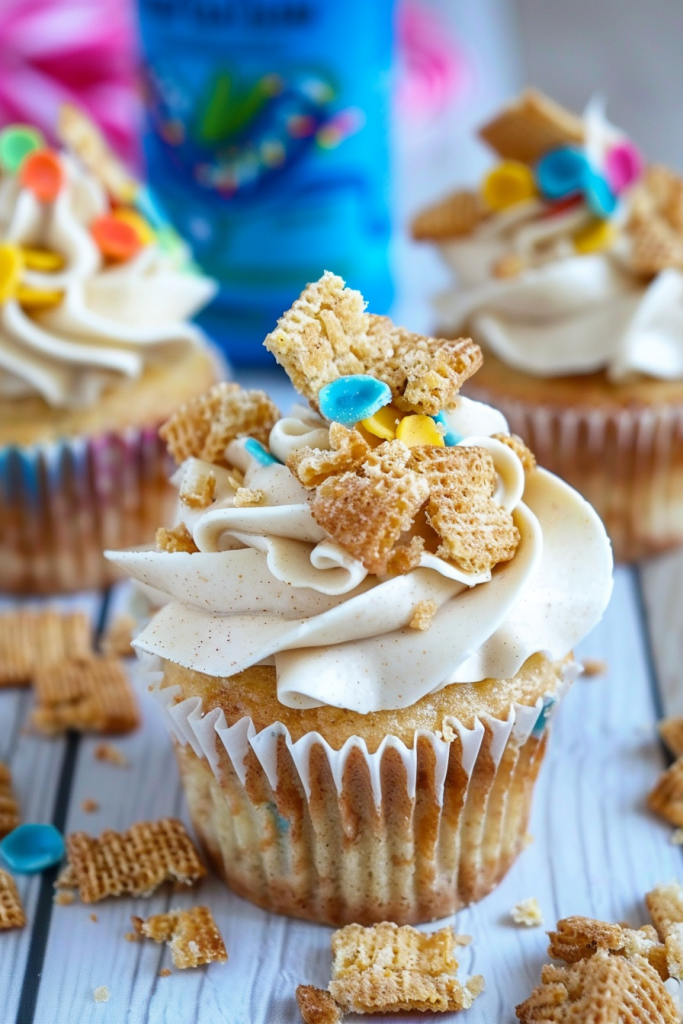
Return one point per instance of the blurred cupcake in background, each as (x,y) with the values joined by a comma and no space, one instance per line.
(95,351)
(569,264)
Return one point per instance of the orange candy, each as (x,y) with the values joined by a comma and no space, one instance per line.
(42,173)
(116,239)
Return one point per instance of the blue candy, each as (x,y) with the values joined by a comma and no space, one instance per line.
(354,398)
(600,199)
(32,848)
(543,716)
(450,438)
(258,452)
(562,172)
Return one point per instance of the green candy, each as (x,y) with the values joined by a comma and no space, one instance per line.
(16,142)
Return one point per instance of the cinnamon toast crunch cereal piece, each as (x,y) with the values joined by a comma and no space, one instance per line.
(455,215)
(175,540)
(30,639)
(603,989)
(578,938)
(367,512)
(11,909)
(423,613)
(9,807)
(116,642)
(386,968)
(317,1006)
(78,133)
(192,935)
(667,796)
(665,904)
(204,426)
(349,450)
(476,533)
(524,454)
(86,694)
(671,731)
(530,126)
(134,863)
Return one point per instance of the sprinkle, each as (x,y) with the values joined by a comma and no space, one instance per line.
(11,266)
(43,260)
(527,912)
(451,437)
(383,423)
(16,142)
(42,173)
(353,398)
(257,451)
(115,239)
(562,172)
(507,185)
(418,430)
(101,994)
(595,237)
(600,199)
(623,166)
(137,222)
(32,848)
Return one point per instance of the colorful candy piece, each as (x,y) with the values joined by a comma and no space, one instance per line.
(11,267)
(600,198)
(562,172)
(261,454)
(16,142)
(38,298)
(354,398)
(419,430)
(383,423)
(450,437)
(623,166)
(42,173)
(43,260)
(595,237)
(115,239)
(508,184)
(32,848)
(138,223)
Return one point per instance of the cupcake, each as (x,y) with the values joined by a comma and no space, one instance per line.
(569,260)
(95,352)
(370,608)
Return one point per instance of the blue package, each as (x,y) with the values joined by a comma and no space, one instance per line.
(267,142)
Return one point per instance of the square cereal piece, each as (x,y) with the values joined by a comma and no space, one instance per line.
(603,989)
(455,215)
(348,451)
(317,1006)
(30,639)
(91,694)
(665,904)
(205,426)
(178,539)
(386,968)
(578,938)
(476,532)
(667,796)
(11,910)
(192,935)
(9,807)
(524,454)
(366,512)
(531,126)
(134,863)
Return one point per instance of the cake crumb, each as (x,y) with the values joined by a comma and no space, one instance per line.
(594,667)
(108,752)
(677,837)
(423,613)
(165,972)
(528,913)
(63,899)
(101,994)
(90,806)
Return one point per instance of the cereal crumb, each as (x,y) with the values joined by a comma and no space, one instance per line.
(677,837)
(93,917)
(132,937)
(594,667)
(246,497)
(165,972)
(63,899)
(527,912)
(108,752)
(101,994)
(90,806)
(423,613)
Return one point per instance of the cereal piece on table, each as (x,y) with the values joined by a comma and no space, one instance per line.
(9,806)
(527,912)
(199,491)
(90,806)
(63,898)
(386,968)
(578,938)
(665,904)
(175,540)
(455,215)
(30,639)
(165,972)
(78,133)
(524,454)
(192,936)
(245,497)
(11,909)
(117,641)
(367,512)
(316,1005)
(530,126)
(423,613)
(134,863)
(85,694)
(667,796)
(476,532)
(348,451)
(205,426)
(603,989)
(101,994)
(108,752)
(671,731)
(593,667)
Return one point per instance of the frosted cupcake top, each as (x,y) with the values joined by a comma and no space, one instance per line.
(377,544)
(94,286)
(569,258)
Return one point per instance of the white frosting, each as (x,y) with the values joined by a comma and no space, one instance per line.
(564,313)
(111,322)
(268,583)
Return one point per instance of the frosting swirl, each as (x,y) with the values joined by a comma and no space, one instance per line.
(269,585)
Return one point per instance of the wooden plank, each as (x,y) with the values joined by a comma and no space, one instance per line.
(662,588)
(597,850)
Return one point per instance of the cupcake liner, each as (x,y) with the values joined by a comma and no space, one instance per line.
(628,463)
(63,503)
(406,834)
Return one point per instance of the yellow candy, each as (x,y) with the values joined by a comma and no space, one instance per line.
(508,184)
(418,430)
(137,222)
(11,267)
(38,298)
(383,423)
(595,237)
(43,260)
